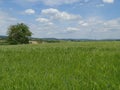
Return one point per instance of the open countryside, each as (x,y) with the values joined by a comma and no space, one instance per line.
(59,45)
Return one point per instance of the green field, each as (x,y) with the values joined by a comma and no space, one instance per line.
(60,66)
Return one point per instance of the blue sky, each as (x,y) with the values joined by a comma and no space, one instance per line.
(92,19)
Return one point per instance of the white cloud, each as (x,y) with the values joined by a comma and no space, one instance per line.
(30,11)
(83,23)
(46,2)
(44,21)
(108,1)
(60,24)
(66,25)
(58,2)
(50,11)
(58,15)
(104,25)
(61,2)
(5,21)
(72,29)
(112,24)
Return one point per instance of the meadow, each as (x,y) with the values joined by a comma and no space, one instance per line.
(61,66)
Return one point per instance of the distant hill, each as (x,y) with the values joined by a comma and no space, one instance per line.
(55,39)
(3,37)
(69,39)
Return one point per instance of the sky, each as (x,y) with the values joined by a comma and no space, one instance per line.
(77,19)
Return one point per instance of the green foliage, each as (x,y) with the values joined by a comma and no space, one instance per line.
(63,66)
(18,34)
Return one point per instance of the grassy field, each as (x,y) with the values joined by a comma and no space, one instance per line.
(63,66)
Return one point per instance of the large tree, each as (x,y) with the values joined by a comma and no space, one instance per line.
(19,34)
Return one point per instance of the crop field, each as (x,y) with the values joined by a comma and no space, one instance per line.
(61,66)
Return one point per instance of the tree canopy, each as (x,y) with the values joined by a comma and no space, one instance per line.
(19,34)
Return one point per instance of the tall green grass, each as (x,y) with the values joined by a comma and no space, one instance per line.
(63,66)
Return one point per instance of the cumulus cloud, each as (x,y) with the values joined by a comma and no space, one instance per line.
(108,1)
(59,15)
(44,21)
(30,11)
(83,23)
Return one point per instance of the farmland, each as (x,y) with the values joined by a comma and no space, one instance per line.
(61,66)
